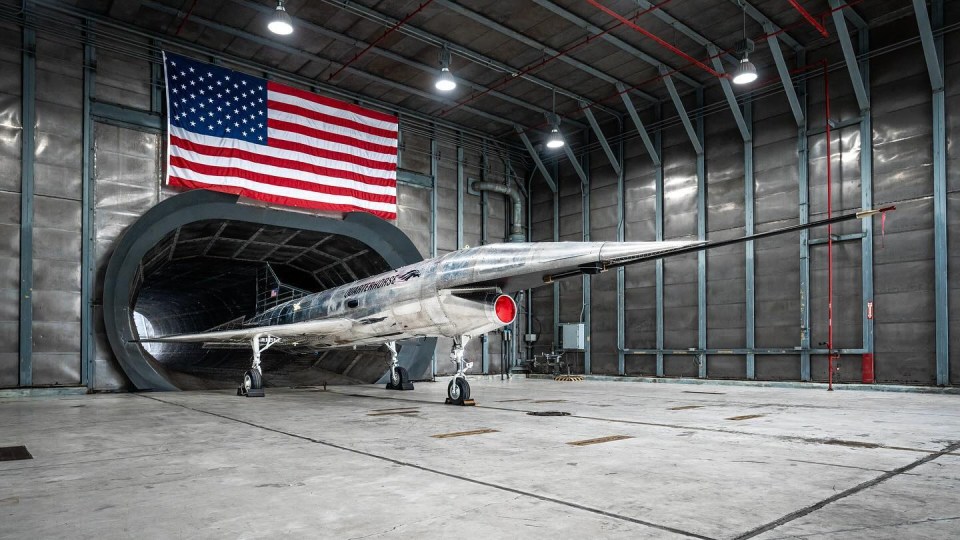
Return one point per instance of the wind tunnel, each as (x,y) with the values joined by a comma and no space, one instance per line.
(197,261)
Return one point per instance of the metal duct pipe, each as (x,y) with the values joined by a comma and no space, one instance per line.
(516,223)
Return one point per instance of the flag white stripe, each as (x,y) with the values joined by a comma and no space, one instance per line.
(283,172)
(280,191)
(218,142)
(291,136)
(332,128)
(324,109)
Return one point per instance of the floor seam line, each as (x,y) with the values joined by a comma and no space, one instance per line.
(846,493)
(442,473)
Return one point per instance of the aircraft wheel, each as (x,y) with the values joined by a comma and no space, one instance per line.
(252,380)
(397,377)
(458,390)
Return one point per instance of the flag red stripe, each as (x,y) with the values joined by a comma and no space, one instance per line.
(279,200)
(210,170)
(329,102)
(226,152)
(330,119)
(330,136)
(331,155)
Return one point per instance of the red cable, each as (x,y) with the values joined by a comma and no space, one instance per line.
(806,15)
(660,41)
(830,357)
(536,65)
(379,39)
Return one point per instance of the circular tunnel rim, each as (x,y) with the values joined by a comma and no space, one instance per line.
(382,237)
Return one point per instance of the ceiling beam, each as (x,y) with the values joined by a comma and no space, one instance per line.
(602,138)
(647,143)
(731,97)
(682,112)
(613,40)
(674,23)
(768,25)
(850,56)
(785,78)
(267,42)
(267,10)
(536,159)
(455,49)
(494,25)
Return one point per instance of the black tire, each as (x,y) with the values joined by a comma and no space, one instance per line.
(252,380)
(398,378)
(460,388)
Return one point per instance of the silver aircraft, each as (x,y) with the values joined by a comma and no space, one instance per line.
(459,295)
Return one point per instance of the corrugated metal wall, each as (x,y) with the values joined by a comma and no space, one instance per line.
(903,267)
(10,141)
(126,169)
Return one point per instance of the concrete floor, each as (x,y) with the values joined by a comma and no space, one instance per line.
(701,461)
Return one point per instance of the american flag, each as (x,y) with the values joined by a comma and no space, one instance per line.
(231,132)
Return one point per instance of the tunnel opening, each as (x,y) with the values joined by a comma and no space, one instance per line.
(199,261)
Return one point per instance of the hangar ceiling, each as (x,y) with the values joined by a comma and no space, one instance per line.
(509,57)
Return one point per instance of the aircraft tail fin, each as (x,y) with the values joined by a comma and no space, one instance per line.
(271,292)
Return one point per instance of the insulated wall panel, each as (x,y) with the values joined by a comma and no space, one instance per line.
(776,196)
(126,178)
(57,215)
(10,144)
(680,223)
(905,324)
(604,200)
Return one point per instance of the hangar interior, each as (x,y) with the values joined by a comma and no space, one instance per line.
(854,106)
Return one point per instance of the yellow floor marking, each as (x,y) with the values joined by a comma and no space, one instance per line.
(609,438)
(463,433)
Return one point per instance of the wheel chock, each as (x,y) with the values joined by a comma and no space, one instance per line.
(466,402)
(253,392)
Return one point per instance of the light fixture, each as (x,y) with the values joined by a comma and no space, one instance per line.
(555,139)
(445,82)
(746,72)
(281,22)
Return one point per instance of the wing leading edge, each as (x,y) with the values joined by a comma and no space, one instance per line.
(306,328)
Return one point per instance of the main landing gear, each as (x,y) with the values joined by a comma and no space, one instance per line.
(399,379)
(252,385)
(458,391)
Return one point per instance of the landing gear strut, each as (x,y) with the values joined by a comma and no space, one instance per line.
(399,379)
(458,391)
(252,385)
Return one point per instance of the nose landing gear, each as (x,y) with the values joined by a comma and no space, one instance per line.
(458,391)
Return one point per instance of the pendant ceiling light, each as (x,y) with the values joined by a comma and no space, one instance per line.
(281,22)
(445,81)
(555,139)
(746,72)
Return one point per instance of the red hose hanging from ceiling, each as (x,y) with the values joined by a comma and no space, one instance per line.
(831,357)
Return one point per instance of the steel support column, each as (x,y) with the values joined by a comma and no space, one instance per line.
(460,192)
(87,267)
(27,159)
(682,112)
(702,236)
(641,130)
(586,292)
(600,136)
(933,52)
(784,72)
(850,56)
(536,159)
(433,194)
(803,176)
(658,180)
(621,275)
(556,238)
(866,193)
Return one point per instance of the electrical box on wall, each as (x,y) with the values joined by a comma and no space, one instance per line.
(571,336)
